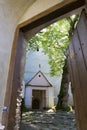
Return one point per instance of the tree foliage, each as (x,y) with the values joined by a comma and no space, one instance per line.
(63,94)
(54,40)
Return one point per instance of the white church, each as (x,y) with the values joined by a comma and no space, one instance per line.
(41,89)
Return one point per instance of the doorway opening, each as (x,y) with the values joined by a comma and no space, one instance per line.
(35,104)
(36,100)
(23,29)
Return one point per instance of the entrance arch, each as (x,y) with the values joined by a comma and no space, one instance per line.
(16,57)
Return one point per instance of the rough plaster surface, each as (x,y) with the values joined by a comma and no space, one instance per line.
(10,13)
(37,7)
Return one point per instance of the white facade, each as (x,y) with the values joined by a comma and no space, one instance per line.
(37,61)
(49,94)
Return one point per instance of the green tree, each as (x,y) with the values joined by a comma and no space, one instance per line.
(63,95)
(54,40)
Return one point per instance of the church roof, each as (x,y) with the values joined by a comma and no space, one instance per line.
(39,80)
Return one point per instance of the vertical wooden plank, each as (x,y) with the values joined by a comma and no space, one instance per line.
(16,83)
(82,32)
(78,69)
(82,73)
(75,82)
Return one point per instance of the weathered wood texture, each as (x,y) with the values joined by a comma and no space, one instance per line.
(77,60)
(16,83)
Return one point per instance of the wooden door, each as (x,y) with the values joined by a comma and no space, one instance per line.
(77,59)
(16,83)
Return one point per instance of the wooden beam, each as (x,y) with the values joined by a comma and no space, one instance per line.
(55,14)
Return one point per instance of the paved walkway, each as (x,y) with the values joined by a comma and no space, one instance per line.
(48,120)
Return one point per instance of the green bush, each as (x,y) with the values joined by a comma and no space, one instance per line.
(23,107)
(68,108)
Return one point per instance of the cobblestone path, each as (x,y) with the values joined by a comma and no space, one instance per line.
(48,120)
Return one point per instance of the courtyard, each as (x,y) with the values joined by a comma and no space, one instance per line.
(48,120)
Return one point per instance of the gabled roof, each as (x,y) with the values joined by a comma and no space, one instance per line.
(39,80)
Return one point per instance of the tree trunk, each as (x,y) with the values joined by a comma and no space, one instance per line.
(63,95)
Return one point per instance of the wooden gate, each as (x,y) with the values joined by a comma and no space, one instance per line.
(77,59)
(16,83)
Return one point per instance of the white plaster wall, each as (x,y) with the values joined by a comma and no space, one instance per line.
(10,13)
(38,7)
(28,96)
(51,96)
(39,81)
(33,59)
(56,82)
